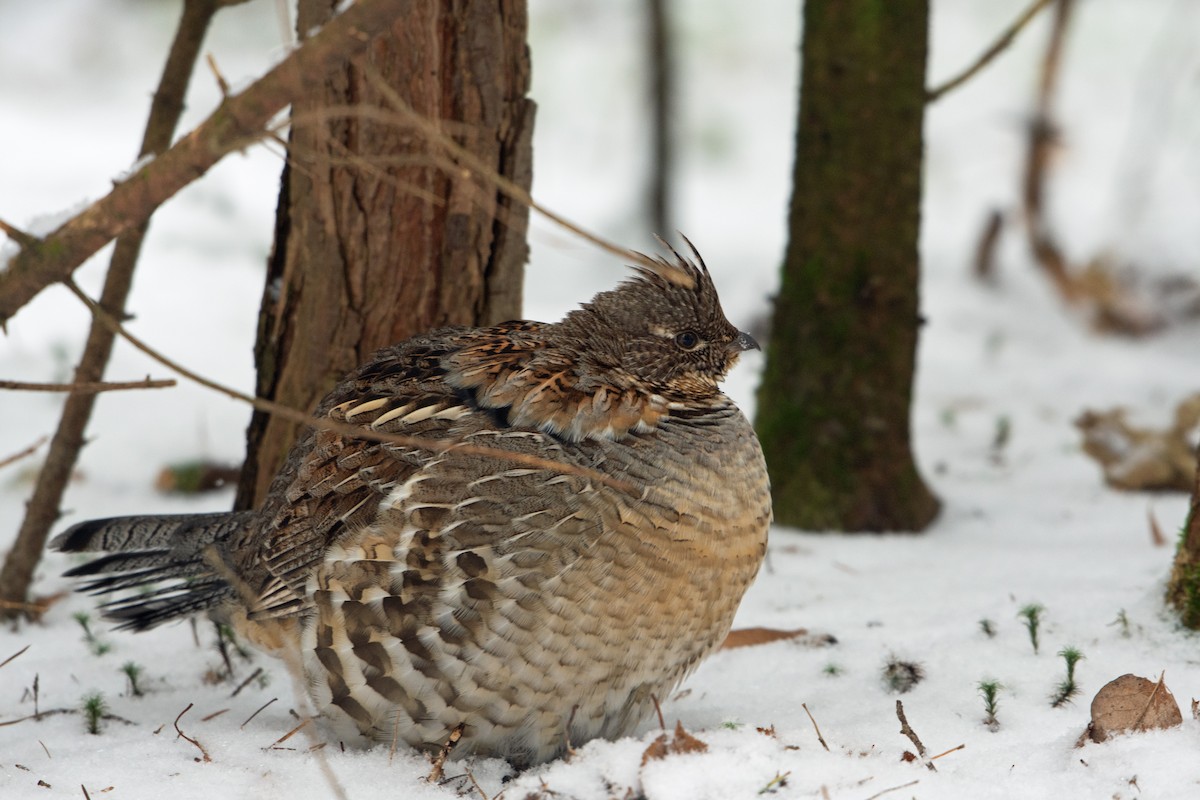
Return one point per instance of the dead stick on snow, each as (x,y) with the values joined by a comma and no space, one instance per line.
(816,728)
(892,789)
(907,730)
(183,735)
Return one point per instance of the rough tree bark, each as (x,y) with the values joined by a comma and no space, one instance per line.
(835,400)
(375,241)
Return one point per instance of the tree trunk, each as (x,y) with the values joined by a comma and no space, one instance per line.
(835,400)
(375,241)
(1183,589)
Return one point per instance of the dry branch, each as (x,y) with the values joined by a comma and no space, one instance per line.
(240,120)
(907,730)
(1043,136)
(88,387)
(183,735)
(998,47)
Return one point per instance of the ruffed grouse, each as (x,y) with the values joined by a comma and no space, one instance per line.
(536,599)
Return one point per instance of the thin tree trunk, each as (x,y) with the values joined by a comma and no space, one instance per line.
(834,405)
(375,241)
(661,56)
(42,510)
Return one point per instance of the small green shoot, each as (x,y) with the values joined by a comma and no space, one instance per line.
(832,670)
(989,689)
(97,647)
(133,672)
(902,676)
(733,726)
(1067,689)
(1032,615)
(94,708)
(988,627)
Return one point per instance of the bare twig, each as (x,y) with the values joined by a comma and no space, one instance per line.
(256,713)
(948,752)
(14,655)
(183,735)
(893,789)
(246,682)
(91,387)
(907,730)
(15,457)
(985,251)
(238,121)
(222,84)
(1006,38)
(1042,137)
(19,236)
(816,728)
(289,734)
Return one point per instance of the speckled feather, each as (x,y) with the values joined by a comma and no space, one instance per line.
(533,606)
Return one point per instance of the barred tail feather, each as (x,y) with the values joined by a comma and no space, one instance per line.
(162,559)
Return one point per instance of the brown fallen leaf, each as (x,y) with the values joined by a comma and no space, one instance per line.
(1143,458)
(680,742)
(1130,704)
(745,637)
(685,742)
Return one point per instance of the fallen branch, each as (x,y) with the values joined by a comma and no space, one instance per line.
(183,735)
(237,122)
(256,713)
(14,655)
(811,719)
(907,730)
(87,387)
(893,789)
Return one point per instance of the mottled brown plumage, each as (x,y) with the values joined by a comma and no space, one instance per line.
(428,588)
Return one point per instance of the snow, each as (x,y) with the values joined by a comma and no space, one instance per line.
(1030,522)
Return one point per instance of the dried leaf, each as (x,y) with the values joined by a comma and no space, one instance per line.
(745,637)
(685,742)
(680,742)
(1131,703)
(656,750)
(1142,458)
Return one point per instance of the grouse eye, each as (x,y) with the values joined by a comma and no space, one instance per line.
(687,340)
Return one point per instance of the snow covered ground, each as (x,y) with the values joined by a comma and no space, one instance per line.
(1030,523)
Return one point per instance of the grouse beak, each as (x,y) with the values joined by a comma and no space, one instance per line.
(743,342)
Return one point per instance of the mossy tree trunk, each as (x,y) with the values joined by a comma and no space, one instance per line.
(834,405)
(375,239)
(1183,589)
